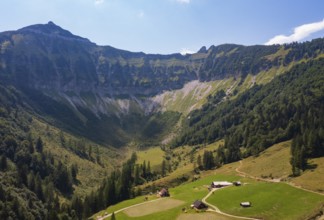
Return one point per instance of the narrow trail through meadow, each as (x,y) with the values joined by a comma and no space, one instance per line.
(243,174)
(216,209)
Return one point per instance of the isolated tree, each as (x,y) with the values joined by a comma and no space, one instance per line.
(113,217)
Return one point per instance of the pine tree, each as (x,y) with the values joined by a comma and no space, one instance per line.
(163,168)
(113,217)
(144,169)
(199,163)
(39,145)
(3,163)
(74,172)
(148,168)
(137,175)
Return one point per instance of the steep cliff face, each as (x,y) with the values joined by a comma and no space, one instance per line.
(48,58)
(76,82)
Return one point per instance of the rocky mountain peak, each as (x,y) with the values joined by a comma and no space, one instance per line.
(51,29)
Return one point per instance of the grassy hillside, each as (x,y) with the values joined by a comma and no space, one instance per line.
(264,166)
(312,178)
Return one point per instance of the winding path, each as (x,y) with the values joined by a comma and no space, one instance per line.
(215,209)
(243,174)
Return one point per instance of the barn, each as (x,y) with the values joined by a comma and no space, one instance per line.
(199,205)
(164,192)
(220,184)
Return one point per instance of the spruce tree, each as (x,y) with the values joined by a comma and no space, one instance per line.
(39,145)
(113,217)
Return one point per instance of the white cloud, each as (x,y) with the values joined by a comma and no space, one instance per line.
(300,33)
(185,51)
(98,2)
(184,1)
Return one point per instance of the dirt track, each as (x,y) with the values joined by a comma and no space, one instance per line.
(243,174)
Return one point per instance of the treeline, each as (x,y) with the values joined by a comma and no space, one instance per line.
(289,106)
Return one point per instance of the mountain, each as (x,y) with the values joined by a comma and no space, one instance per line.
(109,95)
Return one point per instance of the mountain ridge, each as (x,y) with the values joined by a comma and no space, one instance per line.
(90,82)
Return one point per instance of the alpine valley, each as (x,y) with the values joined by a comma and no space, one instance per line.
(85,127)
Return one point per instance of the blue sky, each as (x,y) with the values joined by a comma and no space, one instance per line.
(171,26)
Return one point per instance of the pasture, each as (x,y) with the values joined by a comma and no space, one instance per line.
(269,201)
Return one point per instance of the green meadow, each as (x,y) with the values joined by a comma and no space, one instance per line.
(269,201)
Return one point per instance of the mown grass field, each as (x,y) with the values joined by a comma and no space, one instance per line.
(269,201)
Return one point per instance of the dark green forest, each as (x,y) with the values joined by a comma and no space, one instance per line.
(31,179)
